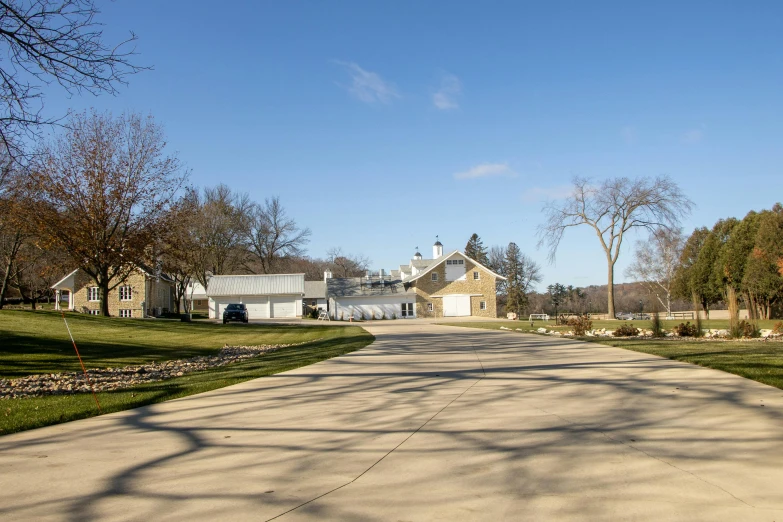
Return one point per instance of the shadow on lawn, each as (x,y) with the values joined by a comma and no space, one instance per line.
(516,408)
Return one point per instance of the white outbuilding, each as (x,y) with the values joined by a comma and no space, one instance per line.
(266,296)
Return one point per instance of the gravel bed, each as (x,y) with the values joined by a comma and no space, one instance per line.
(109,379)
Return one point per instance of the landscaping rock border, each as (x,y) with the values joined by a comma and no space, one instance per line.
(110,379)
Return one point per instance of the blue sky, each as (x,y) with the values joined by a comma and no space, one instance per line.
(380,125)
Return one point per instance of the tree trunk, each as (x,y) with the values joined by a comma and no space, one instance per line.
(610,291)
(103,285)
(4,284)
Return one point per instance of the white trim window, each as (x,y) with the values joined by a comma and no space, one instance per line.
(93,293)
(476,276)
(126,293)
(482,305)
(94,312)
(429,307)
(434,276)
(126,313)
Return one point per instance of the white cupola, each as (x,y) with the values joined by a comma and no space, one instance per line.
(437,249)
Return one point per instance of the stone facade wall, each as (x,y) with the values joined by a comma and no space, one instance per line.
(485,286)
(159,293)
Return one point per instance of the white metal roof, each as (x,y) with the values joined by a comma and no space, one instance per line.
(247,285)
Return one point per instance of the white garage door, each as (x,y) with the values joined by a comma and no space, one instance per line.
(257,307)
(283,306)
(456,305)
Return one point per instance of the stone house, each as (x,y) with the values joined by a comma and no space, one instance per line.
(142,294)
(450,285)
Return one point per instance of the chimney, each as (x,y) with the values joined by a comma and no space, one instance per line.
(327,275)
(437,249)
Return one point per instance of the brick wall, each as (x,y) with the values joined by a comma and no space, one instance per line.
(485,286)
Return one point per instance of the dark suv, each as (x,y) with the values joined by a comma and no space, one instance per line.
(235,312)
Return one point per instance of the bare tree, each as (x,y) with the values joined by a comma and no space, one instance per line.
(611,209)
(102,190)
(214,235)
(347,265)
(271,235)
(655,264)
(53,41)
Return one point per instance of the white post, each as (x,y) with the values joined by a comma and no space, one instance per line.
(57,299)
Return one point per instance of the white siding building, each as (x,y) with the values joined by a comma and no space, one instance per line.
(265,296)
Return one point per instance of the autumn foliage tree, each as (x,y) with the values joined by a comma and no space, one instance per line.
(103,189)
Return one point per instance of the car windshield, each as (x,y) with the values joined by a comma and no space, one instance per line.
(232,307)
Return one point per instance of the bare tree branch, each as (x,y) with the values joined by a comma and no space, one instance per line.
(611,209)
(53,41)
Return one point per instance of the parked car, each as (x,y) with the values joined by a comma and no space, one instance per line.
(624,316)
(235,312)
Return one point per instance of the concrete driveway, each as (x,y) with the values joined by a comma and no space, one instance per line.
(428,423)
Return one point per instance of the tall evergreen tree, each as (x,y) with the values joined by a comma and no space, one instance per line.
(475,250)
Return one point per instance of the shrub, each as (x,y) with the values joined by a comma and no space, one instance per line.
(687,329)
(778,328)
(745,329)
(580,324)
(313,313)
(394,316)
(626,330)
(656,326)
(383,316)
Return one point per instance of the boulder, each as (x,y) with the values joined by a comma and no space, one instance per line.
(541,330)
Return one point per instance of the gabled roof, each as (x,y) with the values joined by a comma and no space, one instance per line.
(56,286)
(250,285)
(315,290)
(442,259)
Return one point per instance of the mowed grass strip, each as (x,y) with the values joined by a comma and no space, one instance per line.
(164,340)
(760,361)
(38,342)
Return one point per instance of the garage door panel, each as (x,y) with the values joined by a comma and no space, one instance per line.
(283,307)
(257,307)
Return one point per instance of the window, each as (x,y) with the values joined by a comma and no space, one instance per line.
(434,276)
(455,261)
(483,305)
(407,309)
(126,313)
(94,312)
(476,276)
(429,307)
(93,293)
(126,293)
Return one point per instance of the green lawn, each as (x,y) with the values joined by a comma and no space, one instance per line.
(756,360)
(37,342)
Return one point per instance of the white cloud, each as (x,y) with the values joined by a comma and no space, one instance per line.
(547,193)
(368,86)
(485,170)
(692,136)
(445,98)
(629,134)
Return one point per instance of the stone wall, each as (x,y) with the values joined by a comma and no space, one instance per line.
(157,292)
(485,286)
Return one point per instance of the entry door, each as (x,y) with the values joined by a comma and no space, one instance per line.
(456,305)
(407,309)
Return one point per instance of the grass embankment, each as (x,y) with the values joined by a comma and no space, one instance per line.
(37,342)
(752,359)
